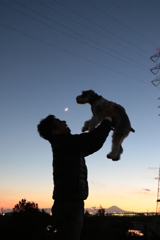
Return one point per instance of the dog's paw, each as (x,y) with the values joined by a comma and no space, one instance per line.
(91,128)
(109,155)
(84,129)
(114,158)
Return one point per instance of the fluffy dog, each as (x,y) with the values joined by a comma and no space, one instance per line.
(102,108)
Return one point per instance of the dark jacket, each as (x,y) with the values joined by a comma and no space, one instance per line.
(69,168)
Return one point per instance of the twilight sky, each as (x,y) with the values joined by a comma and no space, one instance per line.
(51,50)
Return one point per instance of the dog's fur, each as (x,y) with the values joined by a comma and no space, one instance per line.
(102,108)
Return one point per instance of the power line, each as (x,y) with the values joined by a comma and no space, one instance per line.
(88,28)
(91,4)
(142,23)
(73,54)
(100,26)
(75,37)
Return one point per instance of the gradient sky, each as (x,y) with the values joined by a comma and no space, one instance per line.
(51,50)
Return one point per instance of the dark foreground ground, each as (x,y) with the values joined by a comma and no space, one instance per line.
(116,228)
(34,227)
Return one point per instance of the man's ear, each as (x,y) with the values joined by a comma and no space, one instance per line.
(55,131)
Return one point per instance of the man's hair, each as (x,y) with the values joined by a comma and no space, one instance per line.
(46,126)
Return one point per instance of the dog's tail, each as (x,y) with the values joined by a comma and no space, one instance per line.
(132,130)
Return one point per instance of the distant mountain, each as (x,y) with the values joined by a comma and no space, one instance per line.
(115,209)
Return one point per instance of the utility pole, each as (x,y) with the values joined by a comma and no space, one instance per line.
(158,195)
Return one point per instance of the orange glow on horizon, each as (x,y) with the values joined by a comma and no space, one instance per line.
(130,202)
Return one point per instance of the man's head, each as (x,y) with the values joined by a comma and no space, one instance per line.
(52,126)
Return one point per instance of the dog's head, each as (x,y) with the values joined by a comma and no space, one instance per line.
(86,97)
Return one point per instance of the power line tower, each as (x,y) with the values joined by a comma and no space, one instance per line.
(156,69)
(156,83)
(158,195)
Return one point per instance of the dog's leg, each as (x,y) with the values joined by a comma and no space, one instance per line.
(115,152)
(117,156)
(117,149)
(86,126)
(95,120)
(91,124)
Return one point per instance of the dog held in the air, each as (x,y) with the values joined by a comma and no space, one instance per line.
(102,108)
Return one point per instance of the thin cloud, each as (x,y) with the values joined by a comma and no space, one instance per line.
(147,189)
(153,168)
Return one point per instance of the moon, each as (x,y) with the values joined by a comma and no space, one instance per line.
(66,109)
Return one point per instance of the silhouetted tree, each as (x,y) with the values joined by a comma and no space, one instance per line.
(28,222)
(101,212)
(23,205)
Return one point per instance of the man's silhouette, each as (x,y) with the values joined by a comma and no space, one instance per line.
(70,171)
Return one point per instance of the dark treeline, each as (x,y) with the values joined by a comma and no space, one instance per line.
(27,222)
